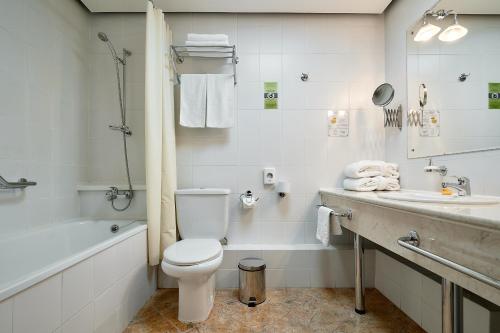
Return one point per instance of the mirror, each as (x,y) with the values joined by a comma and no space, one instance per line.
(453,73)
(383,95)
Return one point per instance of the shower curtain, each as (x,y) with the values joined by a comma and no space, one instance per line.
(161,178)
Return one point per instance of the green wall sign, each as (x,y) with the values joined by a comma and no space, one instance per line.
(494,95)
(270,95)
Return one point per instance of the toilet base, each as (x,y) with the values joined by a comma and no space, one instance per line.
(196,288)
(196,299)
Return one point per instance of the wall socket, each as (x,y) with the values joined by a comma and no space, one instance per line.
(269,176)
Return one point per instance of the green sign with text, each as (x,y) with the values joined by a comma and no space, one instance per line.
(270,95)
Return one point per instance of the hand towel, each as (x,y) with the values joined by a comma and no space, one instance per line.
(220,100)
(193,100)
(206,43)
(364,169)
(323,227)
(387,183)
(207,37)
(361,184)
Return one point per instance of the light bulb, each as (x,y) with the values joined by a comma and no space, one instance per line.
(452,33)
(426,32)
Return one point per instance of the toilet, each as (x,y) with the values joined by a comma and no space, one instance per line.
(202,219)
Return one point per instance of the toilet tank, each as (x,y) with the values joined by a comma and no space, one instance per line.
(202,212)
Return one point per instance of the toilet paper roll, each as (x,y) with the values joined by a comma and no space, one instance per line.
(283,188)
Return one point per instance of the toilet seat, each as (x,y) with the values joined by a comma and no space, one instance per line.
(190,252)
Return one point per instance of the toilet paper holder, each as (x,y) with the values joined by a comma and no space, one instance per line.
(248,200)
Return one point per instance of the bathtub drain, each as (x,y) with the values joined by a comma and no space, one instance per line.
(114,228)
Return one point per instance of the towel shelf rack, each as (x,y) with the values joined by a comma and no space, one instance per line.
(179,52)
(21,183)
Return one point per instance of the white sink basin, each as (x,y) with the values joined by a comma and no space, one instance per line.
(434,197)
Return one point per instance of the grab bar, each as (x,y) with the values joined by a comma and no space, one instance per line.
(21,183)
(412,242)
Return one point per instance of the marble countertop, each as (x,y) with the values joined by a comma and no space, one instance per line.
(483,216)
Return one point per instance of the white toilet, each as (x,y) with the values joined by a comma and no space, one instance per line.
(202,219)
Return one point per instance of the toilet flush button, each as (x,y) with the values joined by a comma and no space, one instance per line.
(269,176)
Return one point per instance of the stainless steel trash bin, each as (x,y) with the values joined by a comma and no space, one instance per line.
(252,281)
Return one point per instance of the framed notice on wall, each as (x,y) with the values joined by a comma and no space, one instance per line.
(338,123)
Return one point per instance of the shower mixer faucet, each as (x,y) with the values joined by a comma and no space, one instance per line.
(123,128)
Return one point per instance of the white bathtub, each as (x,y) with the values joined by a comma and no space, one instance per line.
(31,257)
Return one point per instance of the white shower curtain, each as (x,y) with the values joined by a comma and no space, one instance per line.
(161,178)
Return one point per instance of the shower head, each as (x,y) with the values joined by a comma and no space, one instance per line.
(102,36)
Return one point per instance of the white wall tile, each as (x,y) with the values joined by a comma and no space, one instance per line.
(41,304)
(77,288)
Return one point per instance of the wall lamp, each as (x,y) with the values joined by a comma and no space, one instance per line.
(450,34)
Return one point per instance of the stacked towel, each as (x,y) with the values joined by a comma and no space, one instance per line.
(366,176)
(207,40)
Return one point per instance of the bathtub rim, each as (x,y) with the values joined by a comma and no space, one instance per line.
(59,266)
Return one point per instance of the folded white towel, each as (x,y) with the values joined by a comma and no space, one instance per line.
(207,43)
(391,170)
(220,100)
(364,169)
(193,100)
(361,184)
(207,37)
(387,183)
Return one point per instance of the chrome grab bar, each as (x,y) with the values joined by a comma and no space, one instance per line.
(21,183)
(412,242)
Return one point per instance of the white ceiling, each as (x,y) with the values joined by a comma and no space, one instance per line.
(487,7)
(243,6)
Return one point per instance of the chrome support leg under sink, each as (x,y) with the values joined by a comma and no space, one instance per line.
(452,307)
(359,283)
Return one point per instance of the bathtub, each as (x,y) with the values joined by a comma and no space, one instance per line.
(34,256)
(76,276)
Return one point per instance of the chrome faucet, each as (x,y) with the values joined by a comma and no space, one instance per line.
(463,186)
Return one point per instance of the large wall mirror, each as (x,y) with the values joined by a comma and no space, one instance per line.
(453,67)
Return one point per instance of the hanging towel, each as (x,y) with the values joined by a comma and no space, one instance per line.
(361,184)
(193,100)
(387,183)
(323,227)
(207,37)
(220,100)
(364,169)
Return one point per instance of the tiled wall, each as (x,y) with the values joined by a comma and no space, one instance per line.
(480,167)
(344,57)
(43,94)
(99,294)
(106,163)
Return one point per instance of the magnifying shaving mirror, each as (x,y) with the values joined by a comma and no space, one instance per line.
(382,96)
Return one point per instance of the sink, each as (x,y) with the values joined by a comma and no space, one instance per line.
(435,197)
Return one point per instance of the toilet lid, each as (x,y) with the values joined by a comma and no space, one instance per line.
(192,251)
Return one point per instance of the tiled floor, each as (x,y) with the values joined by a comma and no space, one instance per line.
(285,310)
